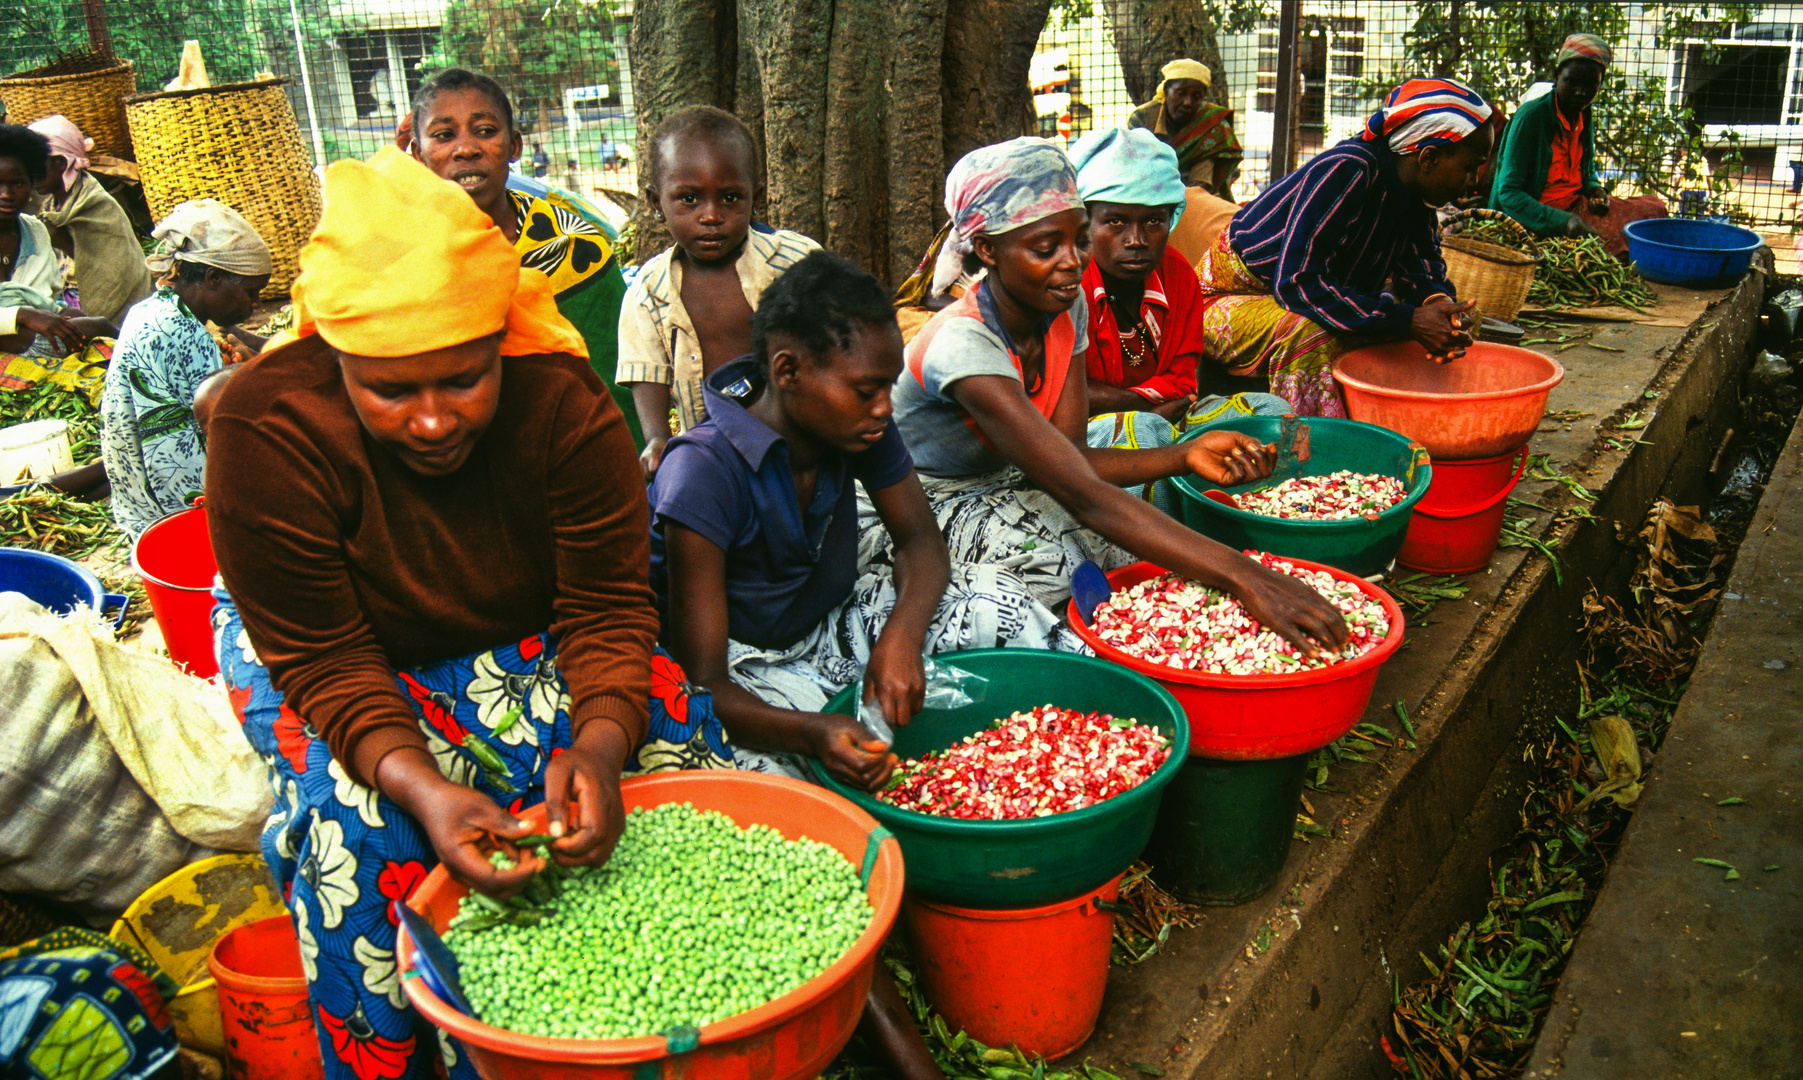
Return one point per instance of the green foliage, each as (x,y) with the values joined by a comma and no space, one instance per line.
(235,35)
(1501,47)
(537,48)
(1240,16)
(1071,12)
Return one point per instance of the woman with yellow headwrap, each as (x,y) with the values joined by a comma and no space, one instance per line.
(1208,152)
(433,541)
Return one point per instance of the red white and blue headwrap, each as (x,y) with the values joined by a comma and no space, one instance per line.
(1427,112)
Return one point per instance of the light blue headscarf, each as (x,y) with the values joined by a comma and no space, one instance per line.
(1128,166)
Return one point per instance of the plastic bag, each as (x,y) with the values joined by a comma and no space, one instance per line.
(948,687)
(79,829)
(175,734)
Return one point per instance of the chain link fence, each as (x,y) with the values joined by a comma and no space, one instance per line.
(1703,106)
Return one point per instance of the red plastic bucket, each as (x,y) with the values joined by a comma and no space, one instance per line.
(263,1009)
(791,1038)
(1457,523)
(1255,717)
(1485,403)
(174,558)
(1032,977)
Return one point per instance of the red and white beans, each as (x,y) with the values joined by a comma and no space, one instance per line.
(1182,624)
(1330,497)
(1032,764)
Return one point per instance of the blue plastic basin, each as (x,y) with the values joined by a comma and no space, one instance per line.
(55,582)
(1684,251)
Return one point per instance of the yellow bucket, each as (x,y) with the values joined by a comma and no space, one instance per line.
(178,920)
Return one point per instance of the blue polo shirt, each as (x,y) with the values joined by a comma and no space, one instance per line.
(729,480)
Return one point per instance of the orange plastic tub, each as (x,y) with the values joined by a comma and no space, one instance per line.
(174,558)
(1032,978)
(263,1008)
(1255,717)
(794,1036)
(1484,404)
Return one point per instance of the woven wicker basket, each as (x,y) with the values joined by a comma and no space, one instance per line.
(1497,277)
(237,143)
(88,87)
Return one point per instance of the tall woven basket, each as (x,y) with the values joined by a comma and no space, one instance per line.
(1495,276)
(237,143)
(89,87)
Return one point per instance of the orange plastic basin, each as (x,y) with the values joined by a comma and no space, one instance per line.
(794,1036)
(1485,404)
(1031,978)
(264,1014)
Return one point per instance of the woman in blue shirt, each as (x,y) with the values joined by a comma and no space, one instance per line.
(754,549)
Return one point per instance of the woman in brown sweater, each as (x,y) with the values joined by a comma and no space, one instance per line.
(434,547)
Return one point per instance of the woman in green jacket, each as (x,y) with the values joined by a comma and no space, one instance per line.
(1546,169)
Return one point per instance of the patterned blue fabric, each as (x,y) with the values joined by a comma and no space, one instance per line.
(149,440)
(81,1012)
(343,853)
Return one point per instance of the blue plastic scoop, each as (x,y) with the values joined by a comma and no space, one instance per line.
(1089,588)
(434,961)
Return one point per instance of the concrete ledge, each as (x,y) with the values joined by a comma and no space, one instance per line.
(1413,832)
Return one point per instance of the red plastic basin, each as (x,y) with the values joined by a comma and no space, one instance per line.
(1258,717)
(794,1036)
(1485,404)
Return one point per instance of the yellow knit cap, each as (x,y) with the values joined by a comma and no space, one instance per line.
(1183,69)
(403,262)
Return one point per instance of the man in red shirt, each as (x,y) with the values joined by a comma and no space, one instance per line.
(1145,310)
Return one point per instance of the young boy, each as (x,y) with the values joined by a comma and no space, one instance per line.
(754,552)
(689,311)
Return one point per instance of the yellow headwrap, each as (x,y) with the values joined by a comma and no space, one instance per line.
(1183,69)
(403,262)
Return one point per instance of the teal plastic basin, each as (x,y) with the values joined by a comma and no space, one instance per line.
(1003,865)
(1355,545)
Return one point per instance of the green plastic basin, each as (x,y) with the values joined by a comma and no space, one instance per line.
(1002,865)
(1355,545)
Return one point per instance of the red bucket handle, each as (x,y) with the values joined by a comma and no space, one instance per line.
(1521,466)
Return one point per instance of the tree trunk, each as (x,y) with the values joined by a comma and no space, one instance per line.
(857,130)
(1148,34)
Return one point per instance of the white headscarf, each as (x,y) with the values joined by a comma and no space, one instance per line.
(66,142)
(208,232)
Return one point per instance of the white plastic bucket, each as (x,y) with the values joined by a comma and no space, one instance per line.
(34,451)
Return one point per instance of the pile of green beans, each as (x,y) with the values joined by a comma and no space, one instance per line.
(1572,272)
(692,920)
(1491,231)
(47,401)
(44,519)
(1581,273)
